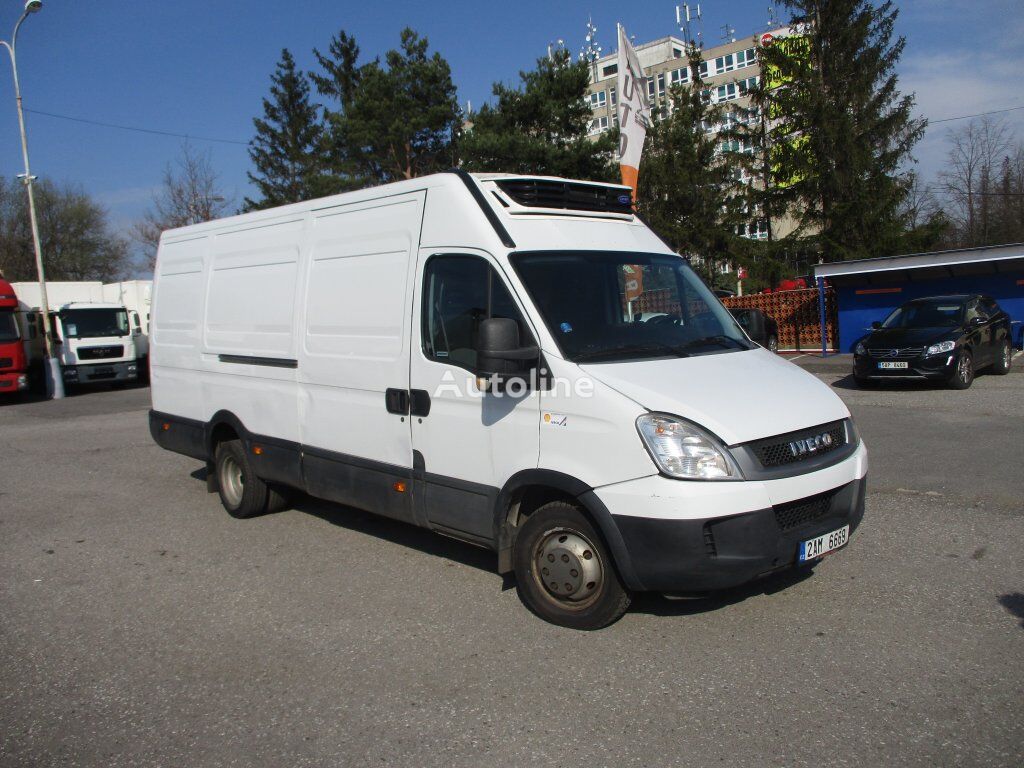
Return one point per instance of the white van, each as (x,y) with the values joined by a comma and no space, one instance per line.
(517,362)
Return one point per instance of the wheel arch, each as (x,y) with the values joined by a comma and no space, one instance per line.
(529,489)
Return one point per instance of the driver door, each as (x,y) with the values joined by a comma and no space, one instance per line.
(466,443)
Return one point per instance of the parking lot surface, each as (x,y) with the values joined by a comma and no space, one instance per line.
(142,626)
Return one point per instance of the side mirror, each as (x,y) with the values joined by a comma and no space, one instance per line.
(136,331)
(497,347)
(976,321)
(876,325)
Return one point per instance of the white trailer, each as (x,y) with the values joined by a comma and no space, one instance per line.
(136,297)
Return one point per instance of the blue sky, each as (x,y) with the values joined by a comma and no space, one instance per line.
(202,68)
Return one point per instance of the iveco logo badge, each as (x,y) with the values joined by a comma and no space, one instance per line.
(809,445)
(624,200)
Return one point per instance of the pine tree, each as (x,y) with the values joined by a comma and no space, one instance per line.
(395,120)
(541,128)
(288,149)
(686,187)
(838,130)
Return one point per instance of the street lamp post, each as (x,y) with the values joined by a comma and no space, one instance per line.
(54,379)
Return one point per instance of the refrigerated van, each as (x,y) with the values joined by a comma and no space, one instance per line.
(513,361)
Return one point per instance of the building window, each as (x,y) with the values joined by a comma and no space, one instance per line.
(746,86)
(677,53)
(609,70)
(678,76)
(650,87)
(614,100)
(661,84)
(598,99)
(746,58)
(598,125)
(703,69)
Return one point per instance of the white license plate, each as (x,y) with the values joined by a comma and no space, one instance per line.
(894,365)
(813,548)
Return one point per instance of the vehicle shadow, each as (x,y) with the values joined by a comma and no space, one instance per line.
(657,604)
(432,543)
(393,531)
(1014,603)
(897,385)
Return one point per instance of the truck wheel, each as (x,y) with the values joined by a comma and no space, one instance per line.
(963,376)
(241,492)
(1003,360)
(564,573)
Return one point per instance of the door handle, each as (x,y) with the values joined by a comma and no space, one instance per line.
(397,401)
(420,402)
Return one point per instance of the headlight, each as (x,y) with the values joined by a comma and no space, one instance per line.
(942,346)
(684,450)
(860,349)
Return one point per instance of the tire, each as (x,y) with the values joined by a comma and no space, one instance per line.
(772,345)
(559,533)
(241,492)
(1004,359)
(963,376)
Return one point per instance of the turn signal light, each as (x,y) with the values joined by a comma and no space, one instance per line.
(258,450)
(166,426)
(399,486)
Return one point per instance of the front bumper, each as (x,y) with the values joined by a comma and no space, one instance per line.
(939,367)
(12,381)
(678,536)
(717,553)
(101,372)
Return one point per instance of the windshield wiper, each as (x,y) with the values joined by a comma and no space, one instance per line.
(719,339)
(630,349)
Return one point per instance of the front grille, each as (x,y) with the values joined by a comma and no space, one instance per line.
(901,353)
(567,195)
(786,449)
(803,511)
(6,362)
(100,353)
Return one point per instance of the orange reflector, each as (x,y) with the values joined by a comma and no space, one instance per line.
(166,427)
(399,486)
(258,450)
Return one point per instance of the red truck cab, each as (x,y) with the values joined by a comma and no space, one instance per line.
(13,366)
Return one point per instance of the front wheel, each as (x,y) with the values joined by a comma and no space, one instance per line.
(772,345)
(963,376)
(564,573)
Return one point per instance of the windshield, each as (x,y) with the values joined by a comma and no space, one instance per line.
(926,314)
(605,307)
(94,323)
(8,327)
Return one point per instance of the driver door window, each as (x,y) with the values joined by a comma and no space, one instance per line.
(458,293)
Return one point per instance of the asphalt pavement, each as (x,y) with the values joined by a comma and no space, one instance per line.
(142,626)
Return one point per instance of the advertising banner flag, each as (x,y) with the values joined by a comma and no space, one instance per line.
(633,110)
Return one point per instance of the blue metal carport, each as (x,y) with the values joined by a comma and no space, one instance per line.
(869,289)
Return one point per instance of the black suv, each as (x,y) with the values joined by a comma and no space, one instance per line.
(947,338)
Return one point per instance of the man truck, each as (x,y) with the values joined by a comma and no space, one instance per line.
(13,365)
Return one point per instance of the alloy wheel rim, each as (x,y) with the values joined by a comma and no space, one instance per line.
(965,369)
(568,568)
(232,481)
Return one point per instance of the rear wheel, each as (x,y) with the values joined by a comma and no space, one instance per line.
(241,492)
(773,344)
(1004,358)
(963,376)
(564,572)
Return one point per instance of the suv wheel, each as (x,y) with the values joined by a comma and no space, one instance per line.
(963,376)
(1003,359)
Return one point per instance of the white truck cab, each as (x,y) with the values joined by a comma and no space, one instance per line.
(517,362)
(95,343)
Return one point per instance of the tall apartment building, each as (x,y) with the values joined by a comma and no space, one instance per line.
(729,72)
